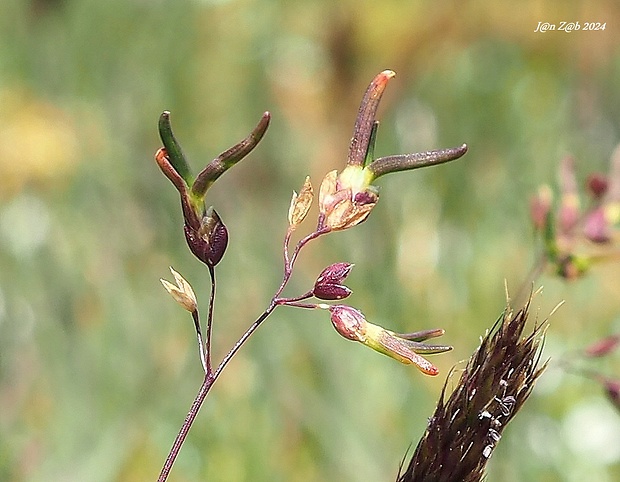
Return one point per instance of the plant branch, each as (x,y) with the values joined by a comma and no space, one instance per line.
(187,424)
(289,262)
(291,301)
(207,383)
(243,339)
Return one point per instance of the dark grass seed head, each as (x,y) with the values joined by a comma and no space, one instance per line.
(467,426)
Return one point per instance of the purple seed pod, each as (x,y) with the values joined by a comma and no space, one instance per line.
(209,242)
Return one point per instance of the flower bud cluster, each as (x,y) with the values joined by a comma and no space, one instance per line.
(575,238)
(345,200)
(328,286)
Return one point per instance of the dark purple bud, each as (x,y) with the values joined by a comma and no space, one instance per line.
(209,242)
(330,292)
(334,274)
(328,285)
(603,347)
(597,185)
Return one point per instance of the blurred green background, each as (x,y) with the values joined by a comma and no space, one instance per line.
(97,364)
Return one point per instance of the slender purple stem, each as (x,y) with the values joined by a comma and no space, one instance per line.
(305,241)
(289,263)
(187,423)
(208,382)
(243,339)
(212,376)
(290,301)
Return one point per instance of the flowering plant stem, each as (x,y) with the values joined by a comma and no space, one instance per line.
(345,200)
(207,383)
(205,347)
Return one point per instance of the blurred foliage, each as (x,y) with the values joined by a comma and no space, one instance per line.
(97,365)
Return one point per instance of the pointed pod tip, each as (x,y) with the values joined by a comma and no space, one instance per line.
(261,127)
(459,151)
(454,153)
(382,79)
(265,119)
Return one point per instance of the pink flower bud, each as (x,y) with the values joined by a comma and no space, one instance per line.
(568,214)
(346,200)
(349,322)
(596,226)
(540,205)
(603,347)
